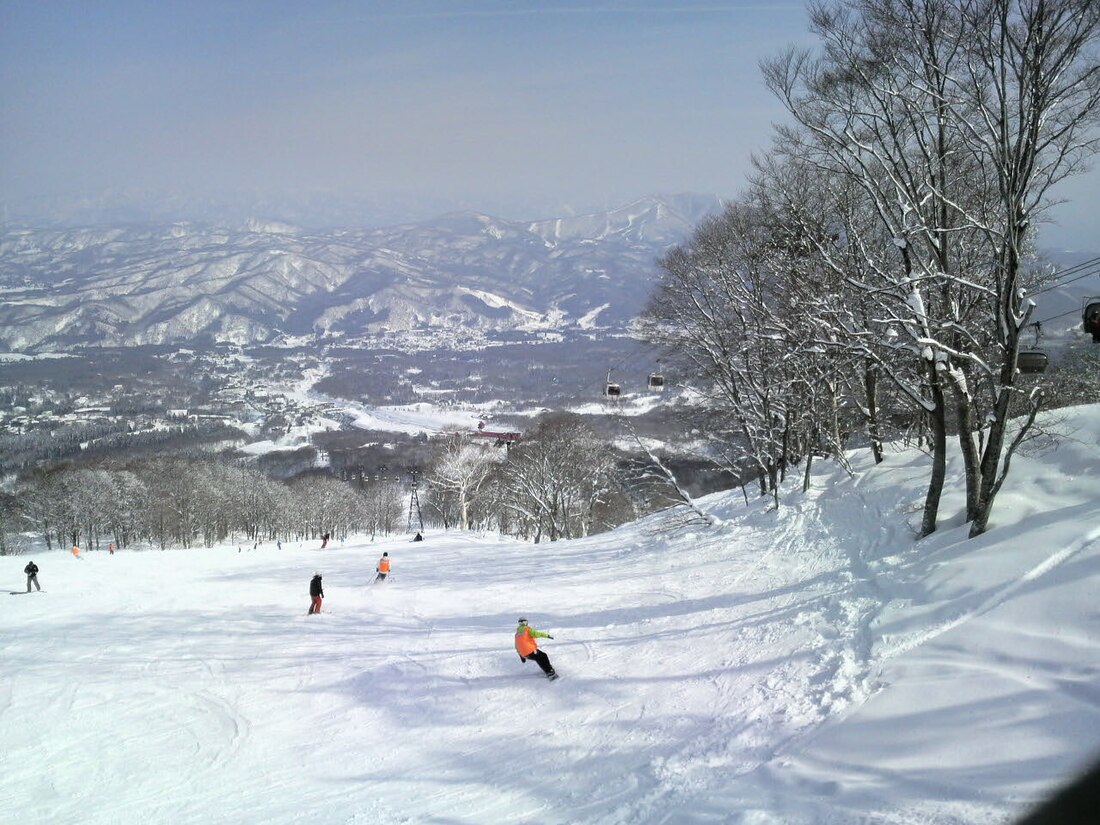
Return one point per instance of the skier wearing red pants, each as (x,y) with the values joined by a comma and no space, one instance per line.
(316,593)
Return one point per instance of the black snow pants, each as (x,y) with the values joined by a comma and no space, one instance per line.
(543,661)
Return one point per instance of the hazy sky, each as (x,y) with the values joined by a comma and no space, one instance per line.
(492,103)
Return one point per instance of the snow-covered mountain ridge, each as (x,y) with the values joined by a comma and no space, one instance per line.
(188,283)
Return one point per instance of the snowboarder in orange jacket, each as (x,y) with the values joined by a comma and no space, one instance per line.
(528,648)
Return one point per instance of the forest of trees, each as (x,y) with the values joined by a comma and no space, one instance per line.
(560,481)
(875,278)
(188,502)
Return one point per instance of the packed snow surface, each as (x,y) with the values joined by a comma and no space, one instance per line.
(812,665)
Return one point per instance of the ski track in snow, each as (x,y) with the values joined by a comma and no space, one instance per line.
(776,709)
(999,597)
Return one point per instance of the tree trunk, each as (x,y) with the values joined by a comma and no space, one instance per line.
(994,445)
(991,462)
(969,450)
(939,458)
(874,432)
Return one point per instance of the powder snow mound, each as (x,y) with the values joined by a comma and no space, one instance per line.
(811,665)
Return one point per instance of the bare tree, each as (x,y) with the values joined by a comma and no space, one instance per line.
(557,477)
(723,304)
(1031,92)
(326,505)
(126,505)
(954,117)
(10,545)
(382,503)
(459,471)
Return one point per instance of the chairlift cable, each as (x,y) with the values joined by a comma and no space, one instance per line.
(1056,317)
(1088,274)
(634,354)
(1094,269)
(1070,270)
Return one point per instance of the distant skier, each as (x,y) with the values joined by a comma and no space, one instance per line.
(418,537)
(324,541)
(383,567)
(32,576)
(316,593)
(528,648)
(76,552)
(111,548)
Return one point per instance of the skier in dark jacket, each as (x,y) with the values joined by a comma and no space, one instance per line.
(316,593)
(32,575)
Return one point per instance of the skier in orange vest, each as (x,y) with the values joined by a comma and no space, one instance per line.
(528,648)
(383,567)
(76,552)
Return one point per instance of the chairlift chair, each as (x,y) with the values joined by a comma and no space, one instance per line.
(1090,318)
(1032,361)
(610,389)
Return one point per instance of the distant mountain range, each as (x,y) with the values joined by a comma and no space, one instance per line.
(270,282)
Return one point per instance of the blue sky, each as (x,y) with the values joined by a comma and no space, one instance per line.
(504,106)
(502,100)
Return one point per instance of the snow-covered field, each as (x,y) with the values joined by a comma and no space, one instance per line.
(413,419)
(815,665)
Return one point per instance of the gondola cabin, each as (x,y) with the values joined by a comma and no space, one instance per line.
(612,390)
(1032,361)
(1090,318)
(656,382)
